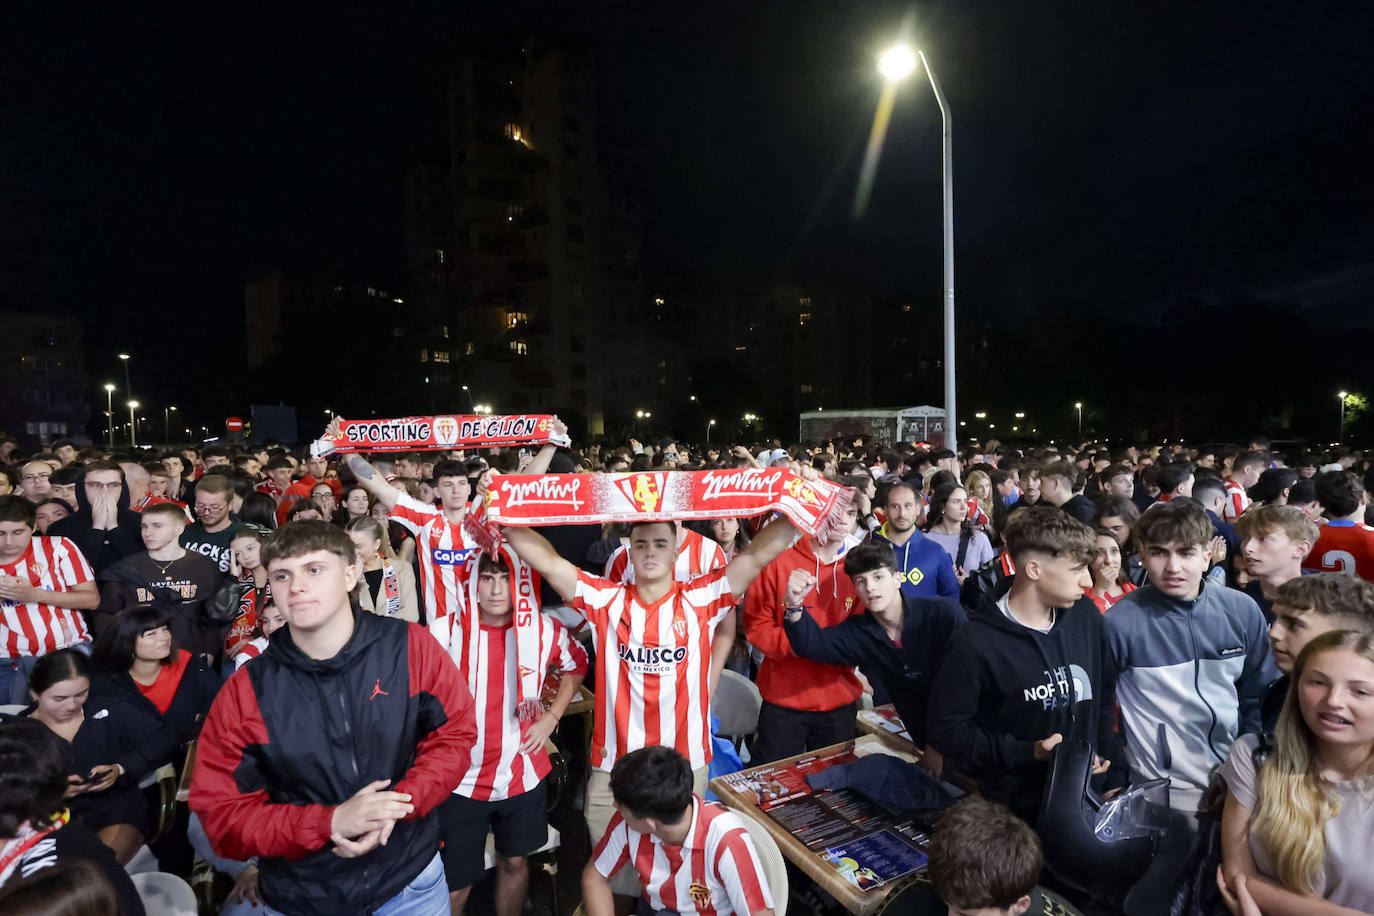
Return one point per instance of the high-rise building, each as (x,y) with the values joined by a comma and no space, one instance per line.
(48,387)
(538,257)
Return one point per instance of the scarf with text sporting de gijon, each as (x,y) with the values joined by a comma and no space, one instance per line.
(418,434)
(816,506)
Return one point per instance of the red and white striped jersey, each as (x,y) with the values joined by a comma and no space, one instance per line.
(1236,500)
(443,548)
(498,770)
(695,556)
(715,873)
(33,629)
(653,664)
(251,650)
(1346,547)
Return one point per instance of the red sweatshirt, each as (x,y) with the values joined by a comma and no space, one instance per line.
(786,679)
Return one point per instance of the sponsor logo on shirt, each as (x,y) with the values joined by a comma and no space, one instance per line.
(912,576)
(1234,650)
(1057,691)
(447,556)
(652,659)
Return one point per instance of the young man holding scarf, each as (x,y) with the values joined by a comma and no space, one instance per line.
(444,545)
(503,647)
(653,648)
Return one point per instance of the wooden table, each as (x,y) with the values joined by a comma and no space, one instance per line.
(884,722)
(746,803)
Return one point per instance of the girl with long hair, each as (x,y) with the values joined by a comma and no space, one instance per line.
(387,584)
(949,526)
(1299,818)
(1110,584)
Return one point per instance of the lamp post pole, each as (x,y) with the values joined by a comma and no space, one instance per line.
(109,411)
(133,425)
(1340,437)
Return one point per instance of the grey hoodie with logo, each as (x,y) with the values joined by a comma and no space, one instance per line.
(1191,677)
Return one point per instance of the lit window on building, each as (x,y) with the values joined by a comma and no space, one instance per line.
(441,356)
(514,212)
(513,132)
(804,317)
(424,356)
(443,331)
(804,302)
(519,348)
(470,349)
(514,319)
(805,389)
(907,307)
(658,301)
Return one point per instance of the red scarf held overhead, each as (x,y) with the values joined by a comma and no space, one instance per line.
(410,434)
(815,506)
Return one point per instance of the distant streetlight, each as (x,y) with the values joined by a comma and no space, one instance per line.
(981,415)
(471,405)
(896,64)
(1078,405)
(709,424)
(1342,395)
(128,388)
(109,409)
(166,423)
(133,424)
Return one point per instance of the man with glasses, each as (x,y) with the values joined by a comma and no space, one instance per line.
(103,527)
(35,479)
(215,526)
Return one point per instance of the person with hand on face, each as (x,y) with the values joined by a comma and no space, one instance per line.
(503,790)
(106,743)
(388,584)
(45,583)
(383,715)
(897,641)
(168,575)
(1110,584)
(104,527)
(1030,669)
(1297,820)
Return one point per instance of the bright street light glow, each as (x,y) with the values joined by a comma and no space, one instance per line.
(1020,415)
(1342,395)
(897,63)
(133,405)
(981,415)
(109,387)
(123,356)
(1078,404)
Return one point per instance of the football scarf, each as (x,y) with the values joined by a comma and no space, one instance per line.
(417,434)
(391,587)
(524,596)
(817,507)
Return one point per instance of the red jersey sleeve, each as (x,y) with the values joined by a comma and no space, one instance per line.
(593,596)
(613,849)
(737,865)
(412,514)
(572,658)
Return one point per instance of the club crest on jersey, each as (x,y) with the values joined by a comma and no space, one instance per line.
(700,894)
(644,491)
(679,626)
(445,430)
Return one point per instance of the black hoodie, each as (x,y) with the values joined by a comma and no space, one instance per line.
(101,548)
(995,697)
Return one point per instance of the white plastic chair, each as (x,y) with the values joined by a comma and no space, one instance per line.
(736,703)
(774,865)
(165,895)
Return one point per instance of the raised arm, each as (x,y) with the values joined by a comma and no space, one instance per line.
(540,463)
(535,550)
(775,537)
(371,481)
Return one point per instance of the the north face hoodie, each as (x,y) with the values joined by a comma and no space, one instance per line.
(1004,686)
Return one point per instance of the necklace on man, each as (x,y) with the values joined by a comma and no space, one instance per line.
(163,567)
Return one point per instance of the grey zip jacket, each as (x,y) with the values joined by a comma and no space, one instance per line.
(1192,675)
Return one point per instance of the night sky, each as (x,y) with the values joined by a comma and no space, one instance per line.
(1108,156)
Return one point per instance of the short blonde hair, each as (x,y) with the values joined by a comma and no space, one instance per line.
(1262,521)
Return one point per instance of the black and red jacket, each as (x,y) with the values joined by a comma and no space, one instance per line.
(289,738)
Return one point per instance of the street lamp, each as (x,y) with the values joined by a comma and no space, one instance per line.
(133,428)
(167,423)
(1078,405)
(128,388)
(470,403)
(1342,395)
(109,409)
(709,424)
(896,64)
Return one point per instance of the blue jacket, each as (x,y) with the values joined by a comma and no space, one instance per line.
(923,567)
(1192,675)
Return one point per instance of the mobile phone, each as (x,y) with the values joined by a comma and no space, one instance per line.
(524,453)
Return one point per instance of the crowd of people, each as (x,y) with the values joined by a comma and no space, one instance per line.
(370,692)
